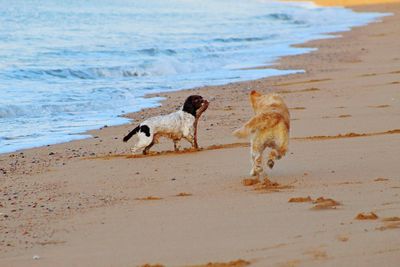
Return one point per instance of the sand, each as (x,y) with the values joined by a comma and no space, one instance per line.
(89,203)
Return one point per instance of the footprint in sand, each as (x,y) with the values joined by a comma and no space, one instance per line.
(317,254)
(300,199)
(322,203)
(290,263)
(366,216)
(265,185)
(342,238)
(250,181)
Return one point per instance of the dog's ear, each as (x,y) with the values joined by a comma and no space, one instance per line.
(192,104)
(254,95)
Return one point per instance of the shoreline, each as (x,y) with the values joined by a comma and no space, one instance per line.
(350,3)
(137,210)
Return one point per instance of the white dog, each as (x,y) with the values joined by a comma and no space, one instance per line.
(177,125)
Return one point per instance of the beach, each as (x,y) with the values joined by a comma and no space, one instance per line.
(335,201)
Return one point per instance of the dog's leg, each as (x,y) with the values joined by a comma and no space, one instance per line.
(191,140)
(283,147)
(196,121)
(147,148)
(176,144)
(144,143)
(279,149)
(272,157)
(256,159)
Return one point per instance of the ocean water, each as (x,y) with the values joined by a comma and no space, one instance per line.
(70,66)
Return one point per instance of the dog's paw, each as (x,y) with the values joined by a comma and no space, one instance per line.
(134,150)
(270,163)
(256,171)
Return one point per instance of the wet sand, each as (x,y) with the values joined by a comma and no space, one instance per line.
(333,200)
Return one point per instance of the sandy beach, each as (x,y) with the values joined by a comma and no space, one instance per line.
(335,200)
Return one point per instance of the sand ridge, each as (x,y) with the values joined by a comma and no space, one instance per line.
(184,194)
(235,145)
(149,198)
(235,263)
(347,135)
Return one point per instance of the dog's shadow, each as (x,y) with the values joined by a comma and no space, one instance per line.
(170,152)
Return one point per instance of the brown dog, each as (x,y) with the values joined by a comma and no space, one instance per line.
(269,127)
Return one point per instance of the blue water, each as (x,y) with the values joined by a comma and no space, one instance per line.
(71,66)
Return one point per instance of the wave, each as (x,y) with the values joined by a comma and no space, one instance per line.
(36,111)
(85,74)
(12,111)
(67,53)
(157,51)
(282,17)
(33,111)
(244,39)
(159,66)
(69,103)
(279,16)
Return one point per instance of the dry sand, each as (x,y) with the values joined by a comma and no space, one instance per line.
(88,203)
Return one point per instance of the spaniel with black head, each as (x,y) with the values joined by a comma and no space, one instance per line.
(176,125)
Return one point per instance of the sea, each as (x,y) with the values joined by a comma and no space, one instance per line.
(71,66)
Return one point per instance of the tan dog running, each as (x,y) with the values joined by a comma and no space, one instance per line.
(269,127)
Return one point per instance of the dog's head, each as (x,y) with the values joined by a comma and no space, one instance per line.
(261,103)
(193,103)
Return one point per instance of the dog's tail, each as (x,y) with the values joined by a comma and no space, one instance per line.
(258,122)
(133,132)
